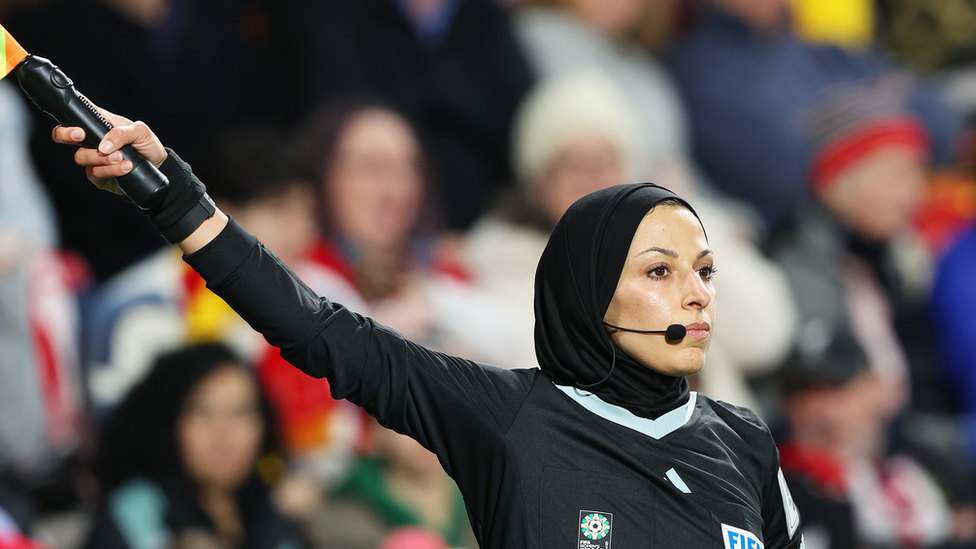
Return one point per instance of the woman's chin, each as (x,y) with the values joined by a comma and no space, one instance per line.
(687,371)
(688,363)
(682,370)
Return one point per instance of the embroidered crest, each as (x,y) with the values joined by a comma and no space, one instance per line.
(596,529)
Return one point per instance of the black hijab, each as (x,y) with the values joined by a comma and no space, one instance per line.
(575,281)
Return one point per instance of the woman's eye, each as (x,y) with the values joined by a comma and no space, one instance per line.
(659,271)
(707,272)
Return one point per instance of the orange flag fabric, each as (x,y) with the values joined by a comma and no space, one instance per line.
(11,53)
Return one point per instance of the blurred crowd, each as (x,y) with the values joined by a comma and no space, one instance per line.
(408,159)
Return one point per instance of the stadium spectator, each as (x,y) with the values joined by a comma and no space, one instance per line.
(178,461)
(572,135)
(854,480)
(853,262)
(563,36)
(380,224)
(159,304)
(266,186)
(747,81)
(26,206)
(452,66)
(156,305)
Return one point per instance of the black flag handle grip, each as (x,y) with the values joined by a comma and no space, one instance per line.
(51,90)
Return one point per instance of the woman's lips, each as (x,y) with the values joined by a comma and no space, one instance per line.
(697,330)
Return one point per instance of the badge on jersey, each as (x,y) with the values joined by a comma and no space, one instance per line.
(737,538)
(595,529)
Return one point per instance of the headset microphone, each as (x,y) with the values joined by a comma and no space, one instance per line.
(675,331)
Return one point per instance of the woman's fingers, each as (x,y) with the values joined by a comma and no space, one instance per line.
(139,136)
(91,157)
(67,135)
(104,164)
(124,132)
(101,169)
(113,170)
(103,183)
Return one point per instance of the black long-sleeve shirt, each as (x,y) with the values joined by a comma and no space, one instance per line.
(539,465)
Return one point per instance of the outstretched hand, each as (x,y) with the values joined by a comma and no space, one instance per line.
(103,165)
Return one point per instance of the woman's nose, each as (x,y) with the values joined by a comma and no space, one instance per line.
(696,292)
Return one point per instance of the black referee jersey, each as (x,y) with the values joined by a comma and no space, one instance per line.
(539,465)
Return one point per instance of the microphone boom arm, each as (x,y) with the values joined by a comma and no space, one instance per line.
(674,332)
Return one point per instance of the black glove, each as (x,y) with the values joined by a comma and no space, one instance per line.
(186,204)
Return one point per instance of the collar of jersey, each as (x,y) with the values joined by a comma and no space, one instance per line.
(654,428)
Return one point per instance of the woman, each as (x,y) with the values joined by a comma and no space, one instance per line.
(178,460)
(572,135)
(604,443)
(379,224)
(563,36)
(577,134)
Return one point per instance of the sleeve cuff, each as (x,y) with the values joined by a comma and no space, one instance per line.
(223,255)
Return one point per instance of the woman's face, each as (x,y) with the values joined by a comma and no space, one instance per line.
(847,421)
(376,184)
(585,164)
(666,280)
(891,180)
(220,429)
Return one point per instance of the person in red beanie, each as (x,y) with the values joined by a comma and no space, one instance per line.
(856,268)
(852,258)
(869,152)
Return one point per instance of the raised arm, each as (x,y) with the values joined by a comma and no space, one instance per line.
(437,399)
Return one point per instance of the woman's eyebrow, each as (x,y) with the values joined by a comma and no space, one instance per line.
(665,251)
(672,253)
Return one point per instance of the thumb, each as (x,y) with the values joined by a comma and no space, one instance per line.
(139,136)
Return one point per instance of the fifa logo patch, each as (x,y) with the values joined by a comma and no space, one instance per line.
(737,538)
(595,530)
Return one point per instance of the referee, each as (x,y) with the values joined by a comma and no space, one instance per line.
(603,447)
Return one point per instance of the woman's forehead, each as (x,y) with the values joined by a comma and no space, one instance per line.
(669,224)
